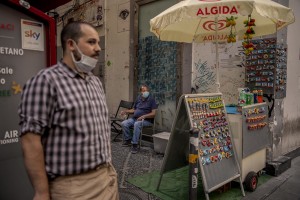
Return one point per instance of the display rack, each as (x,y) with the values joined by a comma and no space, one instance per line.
(281,71)
(260,65)
(266,67)
(255,128)
(251,138)
(205,115)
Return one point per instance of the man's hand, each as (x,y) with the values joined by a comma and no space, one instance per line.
(38,196)
(123,112)
(141,118)
(126,112)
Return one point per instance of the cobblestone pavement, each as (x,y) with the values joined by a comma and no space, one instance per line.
(130,165)
(285,186)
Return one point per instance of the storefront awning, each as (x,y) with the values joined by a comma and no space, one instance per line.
(46,5)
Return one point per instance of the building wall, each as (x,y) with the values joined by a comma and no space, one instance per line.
(231,70)
(285,119)
(114,59)
(117,68)
(158,64)
(285,123)
(290,139)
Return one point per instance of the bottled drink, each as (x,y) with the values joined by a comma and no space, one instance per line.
(249,98)
(255,96)
(260,95)
(242,97)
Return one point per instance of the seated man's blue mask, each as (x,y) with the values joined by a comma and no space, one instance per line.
(145,94)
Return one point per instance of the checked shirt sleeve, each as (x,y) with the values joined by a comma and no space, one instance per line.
(37,103)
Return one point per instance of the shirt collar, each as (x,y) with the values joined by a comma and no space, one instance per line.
(144,99)
(66,70)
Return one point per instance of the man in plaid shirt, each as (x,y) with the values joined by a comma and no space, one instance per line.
(65,128)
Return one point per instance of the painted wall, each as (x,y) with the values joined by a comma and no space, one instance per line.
(117,53)
(231,73)
(285,120)
(157,64)
(290,139)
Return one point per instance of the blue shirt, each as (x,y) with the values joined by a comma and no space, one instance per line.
(144,106)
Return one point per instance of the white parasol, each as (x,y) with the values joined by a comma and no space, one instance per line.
(205,21)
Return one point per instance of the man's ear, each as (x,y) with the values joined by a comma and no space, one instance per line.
(70,44)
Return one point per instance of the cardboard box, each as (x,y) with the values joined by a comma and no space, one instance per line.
(160,141)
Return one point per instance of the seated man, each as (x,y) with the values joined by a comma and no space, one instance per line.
(143,110)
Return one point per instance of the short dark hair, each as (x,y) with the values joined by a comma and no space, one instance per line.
(72,31)
(144,85)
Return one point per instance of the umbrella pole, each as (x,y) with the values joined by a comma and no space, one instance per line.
(217,54)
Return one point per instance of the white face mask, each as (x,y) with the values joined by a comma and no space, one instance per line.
(86,64)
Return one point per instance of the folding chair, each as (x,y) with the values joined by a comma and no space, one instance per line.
(150,128)
(116,120)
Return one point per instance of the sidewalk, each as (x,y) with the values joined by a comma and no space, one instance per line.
(286,186)
(130,165)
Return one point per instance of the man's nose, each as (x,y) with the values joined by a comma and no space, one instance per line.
(98,48)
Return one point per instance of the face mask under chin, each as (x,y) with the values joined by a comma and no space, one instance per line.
(86,64)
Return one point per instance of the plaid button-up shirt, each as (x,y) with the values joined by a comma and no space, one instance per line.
(71,115)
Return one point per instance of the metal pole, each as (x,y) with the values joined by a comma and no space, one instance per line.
(159,181)
(193,164)
(217,54)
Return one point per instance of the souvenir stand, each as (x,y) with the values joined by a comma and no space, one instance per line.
(201,137)
(265,75)
(250,135)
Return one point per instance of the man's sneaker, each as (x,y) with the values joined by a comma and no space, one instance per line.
(134,149)
(126,143)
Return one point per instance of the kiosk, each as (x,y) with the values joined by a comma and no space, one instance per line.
(27,44)
(201,138)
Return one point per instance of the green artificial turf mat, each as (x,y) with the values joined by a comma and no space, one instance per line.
(174,186)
